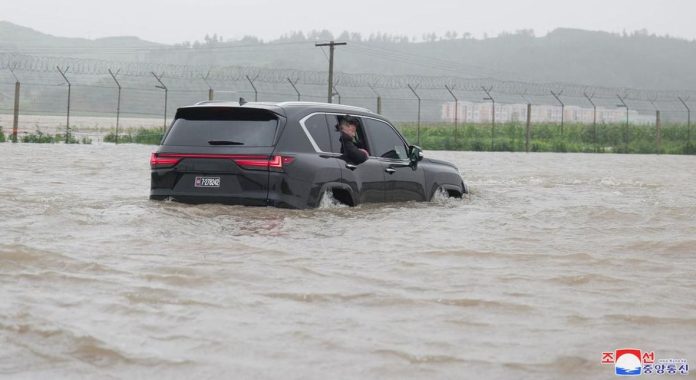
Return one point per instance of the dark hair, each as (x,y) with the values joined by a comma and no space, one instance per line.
(347,119)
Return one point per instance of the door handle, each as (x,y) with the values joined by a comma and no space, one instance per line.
(351,166)
(390,170)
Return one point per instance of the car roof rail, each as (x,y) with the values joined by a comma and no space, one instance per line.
(346,107)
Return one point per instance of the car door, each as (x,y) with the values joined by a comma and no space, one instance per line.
(366,179)
(404,181)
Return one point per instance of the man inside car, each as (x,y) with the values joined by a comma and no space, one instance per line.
(352,149)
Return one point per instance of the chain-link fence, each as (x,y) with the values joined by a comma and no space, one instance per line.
(438,112)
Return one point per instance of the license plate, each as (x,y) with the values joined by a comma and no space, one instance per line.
(207,182)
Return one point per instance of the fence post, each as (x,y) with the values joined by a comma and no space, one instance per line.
(256,92)
(529,125)
(293,83)
(658,137)
(657,124)
(118,102)
(688,119)
(419,111)
(490,97)
(211,92)
(67,123)
(335,92)
(624,105)
(456,112)
(379,99)
(558,97)
(15,119)
(166,92)
(594,118)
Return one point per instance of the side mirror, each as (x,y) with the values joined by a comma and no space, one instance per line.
(415,153)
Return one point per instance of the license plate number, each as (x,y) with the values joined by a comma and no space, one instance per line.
(207,182)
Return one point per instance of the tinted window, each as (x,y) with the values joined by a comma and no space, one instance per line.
(317,128)
(384,141)
(223,127)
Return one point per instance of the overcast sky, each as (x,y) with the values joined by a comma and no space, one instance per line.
(170,21)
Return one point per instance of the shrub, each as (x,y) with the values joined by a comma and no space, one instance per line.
(38,138)
(142,136)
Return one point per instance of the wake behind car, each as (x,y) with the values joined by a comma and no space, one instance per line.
(288,155)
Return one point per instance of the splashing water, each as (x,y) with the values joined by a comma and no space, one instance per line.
(442,198)
(328,201)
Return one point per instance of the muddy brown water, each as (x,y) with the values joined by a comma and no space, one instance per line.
(552,260)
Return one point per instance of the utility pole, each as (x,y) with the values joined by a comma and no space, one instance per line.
(332,45)
(67,123)
(166,92)
(118,102)
(15,120)
(419,111)
(594,116)
(456,112)
(688,120)
(489,97)
(293,83)
(558,97)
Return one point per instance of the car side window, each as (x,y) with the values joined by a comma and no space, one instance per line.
(318,129)
(384,141)
(334,134)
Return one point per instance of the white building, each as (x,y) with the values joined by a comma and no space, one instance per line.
(481,113)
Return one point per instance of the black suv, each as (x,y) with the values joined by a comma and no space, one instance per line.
(288,155)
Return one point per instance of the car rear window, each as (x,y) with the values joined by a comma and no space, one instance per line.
(212,126)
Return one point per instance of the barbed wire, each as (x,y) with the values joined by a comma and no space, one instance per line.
(82,66)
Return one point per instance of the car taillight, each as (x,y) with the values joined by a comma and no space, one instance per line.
(163,161)
(274,163)
(254,162)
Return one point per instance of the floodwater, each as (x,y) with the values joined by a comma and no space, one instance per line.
(552,260)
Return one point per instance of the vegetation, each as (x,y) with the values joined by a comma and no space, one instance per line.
(39,137)
(510,137)
(141,136)
(2,135)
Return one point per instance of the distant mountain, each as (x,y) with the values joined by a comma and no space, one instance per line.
(16,38)
(636,60)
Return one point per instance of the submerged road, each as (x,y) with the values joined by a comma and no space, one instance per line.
(552,260)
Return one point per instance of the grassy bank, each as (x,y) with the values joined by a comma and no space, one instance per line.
(39,137)
(138,136)
(510,137)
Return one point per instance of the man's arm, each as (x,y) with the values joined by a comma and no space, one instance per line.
(352,153)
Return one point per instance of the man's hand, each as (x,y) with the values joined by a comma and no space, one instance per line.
(366,153)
